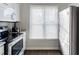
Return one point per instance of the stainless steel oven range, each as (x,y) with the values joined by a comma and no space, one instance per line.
(15,47)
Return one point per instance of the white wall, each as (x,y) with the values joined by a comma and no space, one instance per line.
(37,44)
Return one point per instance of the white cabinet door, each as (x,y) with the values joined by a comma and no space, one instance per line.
(1,13)
(15,6)
(7,9)
(1,49)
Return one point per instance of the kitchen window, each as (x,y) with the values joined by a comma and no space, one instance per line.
(43,22)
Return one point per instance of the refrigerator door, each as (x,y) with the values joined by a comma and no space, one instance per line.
(64,30)
(67,31)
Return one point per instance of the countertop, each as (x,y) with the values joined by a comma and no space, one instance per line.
(2,43)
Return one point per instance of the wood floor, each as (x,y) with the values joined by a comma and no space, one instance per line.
(42,52)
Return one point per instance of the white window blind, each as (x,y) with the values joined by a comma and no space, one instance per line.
(43,22)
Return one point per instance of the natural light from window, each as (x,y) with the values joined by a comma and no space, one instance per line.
(43,22)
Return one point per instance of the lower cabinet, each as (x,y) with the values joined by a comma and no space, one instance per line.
(2,49)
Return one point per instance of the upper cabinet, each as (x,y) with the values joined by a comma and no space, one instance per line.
(9,12)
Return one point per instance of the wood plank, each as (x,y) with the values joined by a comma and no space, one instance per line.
(42,52)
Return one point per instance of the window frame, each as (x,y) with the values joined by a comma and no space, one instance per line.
(44,25)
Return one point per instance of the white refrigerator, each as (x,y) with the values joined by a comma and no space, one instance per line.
(68,30)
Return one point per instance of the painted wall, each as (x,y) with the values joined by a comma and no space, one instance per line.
(37,44)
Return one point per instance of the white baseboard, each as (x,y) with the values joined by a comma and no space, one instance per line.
(42,49)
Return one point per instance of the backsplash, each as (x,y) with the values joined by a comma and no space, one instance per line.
(6,24)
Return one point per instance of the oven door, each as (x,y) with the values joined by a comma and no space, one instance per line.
(16,47)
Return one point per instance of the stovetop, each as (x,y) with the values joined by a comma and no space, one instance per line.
(12,37)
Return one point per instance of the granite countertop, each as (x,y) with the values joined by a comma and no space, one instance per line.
(2,43)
